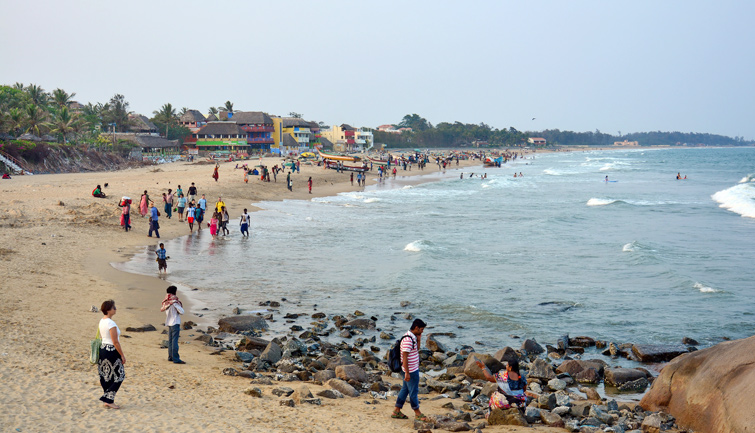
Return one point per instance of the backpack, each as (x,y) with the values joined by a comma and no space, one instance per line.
(394,355)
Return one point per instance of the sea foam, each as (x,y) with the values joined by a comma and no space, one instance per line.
(738,199)
(748,178)
(705,289)
(600,201)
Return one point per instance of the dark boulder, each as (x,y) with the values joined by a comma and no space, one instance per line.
(658,352)
(242,323)
(620,376)
(532,347)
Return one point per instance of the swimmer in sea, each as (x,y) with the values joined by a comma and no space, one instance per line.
(606,178)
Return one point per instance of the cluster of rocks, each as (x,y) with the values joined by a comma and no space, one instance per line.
(560,384)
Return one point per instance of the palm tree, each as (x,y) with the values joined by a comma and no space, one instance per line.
(37,95)
(213,111)
(183,111)
(166,115)
(62,98)
(18,86)
(228,106)
(15,120)
(116,111)
(63,123)
(34,118)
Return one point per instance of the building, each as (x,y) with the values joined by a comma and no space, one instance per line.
(388,128)
(193,120)
(299,129)
(258,126)
(626,143)
(141,125)
(222,137)
(537,141)
(346,138)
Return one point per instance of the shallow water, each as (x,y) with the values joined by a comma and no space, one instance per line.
(645,259)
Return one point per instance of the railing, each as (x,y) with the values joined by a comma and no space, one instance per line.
(13,163)
(259,128)
(260,140)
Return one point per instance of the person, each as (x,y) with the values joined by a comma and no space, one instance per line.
(144,204)
(219,205)
(168,203)
(215,174)
(309,183)
(289,183)
(394,172)
(125,205)
(190,217)
(6,176)
(225,218)
(179,191)
(685,177)
(512,386)
(162,259)
(153,224)
(198,217)
(181,206)
(192,192)
(246,176)
(173,309)
(520,174)
(410,367)
(359,179)
(98,192)
(606,178)
(203,204)
(245,223)
(111,365)
(213,224)
(678,176)
(352,178)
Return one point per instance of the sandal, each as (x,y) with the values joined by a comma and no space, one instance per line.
(398,415)
(421,418)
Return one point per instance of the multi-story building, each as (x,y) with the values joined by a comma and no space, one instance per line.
(222,137)
(141,124)
(297,128)
(346,138)
(259,127)
(193,120)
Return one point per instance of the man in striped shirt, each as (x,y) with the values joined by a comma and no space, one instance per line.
(410,365)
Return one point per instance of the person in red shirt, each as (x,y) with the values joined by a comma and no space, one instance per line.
(309,183)
(410,366)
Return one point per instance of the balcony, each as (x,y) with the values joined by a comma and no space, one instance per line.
(252,128)
(260,140)
(348,133)
(350,141)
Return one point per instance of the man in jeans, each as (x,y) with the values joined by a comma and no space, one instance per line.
(410,366)
(173,309)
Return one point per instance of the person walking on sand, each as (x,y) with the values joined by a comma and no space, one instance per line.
(219,205)
(192,193)
(190,217)
(213,224)
(112,361)
(215,174)
(162,259)
(309,183)
(125,205)
(198,217)
(225,219)
(144,204)
(181,206)
(352,178)
(245,224)
(173,310)
(289,184)
(154,226)
(203,204)
(410,367)
(169,203)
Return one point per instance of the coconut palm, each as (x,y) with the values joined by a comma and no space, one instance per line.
(62,98)
(34,118)
(183,111)
(213,111)
(37,95)
(18,86)
(15,119)
(63,123)
(228,106)
(166,115)
(116,111)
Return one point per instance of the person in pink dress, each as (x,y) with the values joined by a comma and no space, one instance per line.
(214,225)
(144,204)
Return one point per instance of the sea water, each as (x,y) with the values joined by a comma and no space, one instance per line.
(644,258)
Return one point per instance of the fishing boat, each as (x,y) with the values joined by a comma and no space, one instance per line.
(377,161)
(489,162)
(338,157)
(335,166)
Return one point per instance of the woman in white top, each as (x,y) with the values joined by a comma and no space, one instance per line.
(112,359)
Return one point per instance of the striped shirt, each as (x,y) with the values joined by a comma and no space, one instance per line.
(410,346)
(161,253)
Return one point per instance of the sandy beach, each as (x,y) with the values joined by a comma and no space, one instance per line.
(57,243)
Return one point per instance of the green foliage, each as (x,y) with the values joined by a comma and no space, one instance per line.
(175,132)
(446,134)
(656,138)
(116,111)
(11,97)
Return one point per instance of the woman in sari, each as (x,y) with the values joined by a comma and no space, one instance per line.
(511,386)
(214,225)
(215,174)
(125,205)
(144,204)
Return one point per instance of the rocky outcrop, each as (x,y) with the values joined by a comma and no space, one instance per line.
(710,390)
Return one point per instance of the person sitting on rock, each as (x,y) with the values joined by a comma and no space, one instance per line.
(98,192)
(511,386)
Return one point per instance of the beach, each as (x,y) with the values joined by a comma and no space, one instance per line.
(57,245)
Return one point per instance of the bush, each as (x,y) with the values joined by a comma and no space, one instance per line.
(27,150)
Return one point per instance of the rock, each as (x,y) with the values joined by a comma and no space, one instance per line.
(705,389)
(330,393)
(230,372)
(323,376)
(532,414)
(532,347)
(638,385)
(596,412)
(651,424)
(283,391)
(252,343)
(386,336)
(506,355)
(301,393)
(272,353)
(562,410)
(287,402)
(563,342)
(588,376)
(620,376)
(580,409)
(206,339)
(562,399)
(556,384)
(244,356)
(351,372)
(242,323)
(582,342)
(592,393)
(547,401)
(318,316)
(143,328)
(574,367)
(690,341)
(405,304)
(489,388)
(472,370)
(540,369)
(254,392)
(510,416)
(236,310)
(658,352)
(440,386)
(433,344)
(343,387)
(551,419)
(315,401)
(361,324)
(263,381)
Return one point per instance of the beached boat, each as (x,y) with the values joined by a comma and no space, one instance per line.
(334,165)
(489,162)
(338,157)
(377,161)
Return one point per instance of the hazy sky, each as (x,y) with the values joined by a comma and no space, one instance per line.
(576,65)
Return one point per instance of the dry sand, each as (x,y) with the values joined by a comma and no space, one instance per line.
(56,246)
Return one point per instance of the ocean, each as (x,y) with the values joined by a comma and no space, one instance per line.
(644,258)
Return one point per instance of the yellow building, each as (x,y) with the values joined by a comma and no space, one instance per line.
(298,129)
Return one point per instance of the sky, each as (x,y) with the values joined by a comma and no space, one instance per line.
(615,66)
